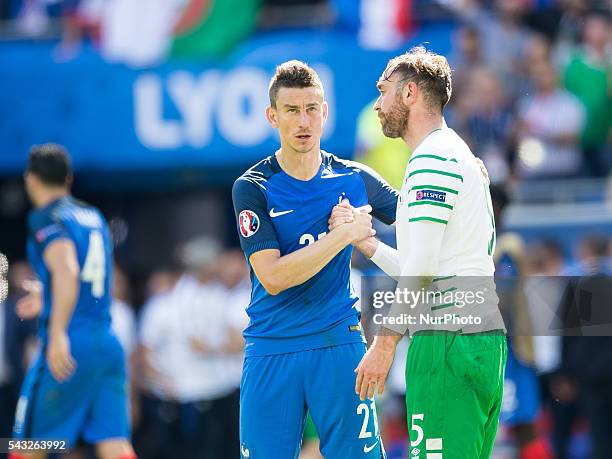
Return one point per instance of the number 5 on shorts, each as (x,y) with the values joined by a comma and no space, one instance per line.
(418,429)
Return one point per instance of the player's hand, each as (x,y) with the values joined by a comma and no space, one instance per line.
(361,227)
(60,360)
(373,369)
(30,305)
(483,170)
(341,213)
(358,220)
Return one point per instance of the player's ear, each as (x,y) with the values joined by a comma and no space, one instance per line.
(271,116)
(325,111)
(409,92)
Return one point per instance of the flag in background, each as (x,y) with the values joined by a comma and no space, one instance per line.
(212,27)
(146,32)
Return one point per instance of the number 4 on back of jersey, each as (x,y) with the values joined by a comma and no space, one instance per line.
(94,269)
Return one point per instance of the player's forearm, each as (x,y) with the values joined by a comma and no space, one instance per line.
(64,296)
(299,266)
(387,259)
(418,266)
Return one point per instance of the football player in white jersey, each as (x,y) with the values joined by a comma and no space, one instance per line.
(445,233)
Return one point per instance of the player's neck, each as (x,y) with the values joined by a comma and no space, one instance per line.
(302,166)
(48,196)
(420,127)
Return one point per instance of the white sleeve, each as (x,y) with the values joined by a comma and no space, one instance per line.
(425,239)
(387,259)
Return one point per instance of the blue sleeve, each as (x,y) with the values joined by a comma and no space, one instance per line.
(381,196)
(255,228)
(45,228)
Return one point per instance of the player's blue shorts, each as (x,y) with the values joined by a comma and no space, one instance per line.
(277,390)
(91,404)
(521,392)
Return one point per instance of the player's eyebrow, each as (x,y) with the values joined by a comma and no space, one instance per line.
(311,104)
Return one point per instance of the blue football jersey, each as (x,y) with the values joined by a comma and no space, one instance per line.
(276,211)
(67,218)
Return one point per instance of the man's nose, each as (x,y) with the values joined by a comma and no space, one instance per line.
(377,103)
(303,119)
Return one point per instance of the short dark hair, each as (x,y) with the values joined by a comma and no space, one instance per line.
(292,74)
(51,164)
(428,70)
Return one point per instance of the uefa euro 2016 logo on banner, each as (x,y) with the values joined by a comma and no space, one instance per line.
(248,222)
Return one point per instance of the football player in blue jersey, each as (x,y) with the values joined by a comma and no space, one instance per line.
(304,339)
(76,386)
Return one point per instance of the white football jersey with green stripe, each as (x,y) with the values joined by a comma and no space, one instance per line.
(443,185)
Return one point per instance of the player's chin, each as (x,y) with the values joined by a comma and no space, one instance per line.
(303,147)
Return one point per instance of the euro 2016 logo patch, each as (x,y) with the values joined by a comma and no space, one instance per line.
(431,195)
(248,222)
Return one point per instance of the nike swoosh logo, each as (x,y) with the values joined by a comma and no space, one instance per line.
(335,175)
(367,449)
(278,214)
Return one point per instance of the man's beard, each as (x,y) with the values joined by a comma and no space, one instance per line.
(395,122)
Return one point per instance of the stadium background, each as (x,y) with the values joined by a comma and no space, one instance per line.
(160,103)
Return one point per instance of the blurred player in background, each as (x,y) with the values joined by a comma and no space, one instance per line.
(445,230)
(77,385)
(304,338)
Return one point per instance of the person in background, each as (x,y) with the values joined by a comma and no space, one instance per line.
(589,75)
(124,326)
(585,374)
(122,314)
(484,117)
(549,125)
(546,265)
(187,337)
(17,343)
(467,56)
(521,402)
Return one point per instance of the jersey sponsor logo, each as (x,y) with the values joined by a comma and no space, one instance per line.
(333,175)
(248,221)
(47,231)
(274,214)
(367,449)
(431,195)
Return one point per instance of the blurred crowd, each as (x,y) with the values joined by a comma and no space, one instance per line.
(183,348)
(532,78)
(532,96)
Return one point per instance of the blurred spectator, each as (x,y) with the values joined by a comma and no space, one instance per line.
(544,294)
(538,50)
(189,349)
(549,126)
(123,319)
(160,281)
(17,341)
(483,116)
(521,402)
(588,76)
(467,55)
(569,28)
(586,371)
(500,26)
